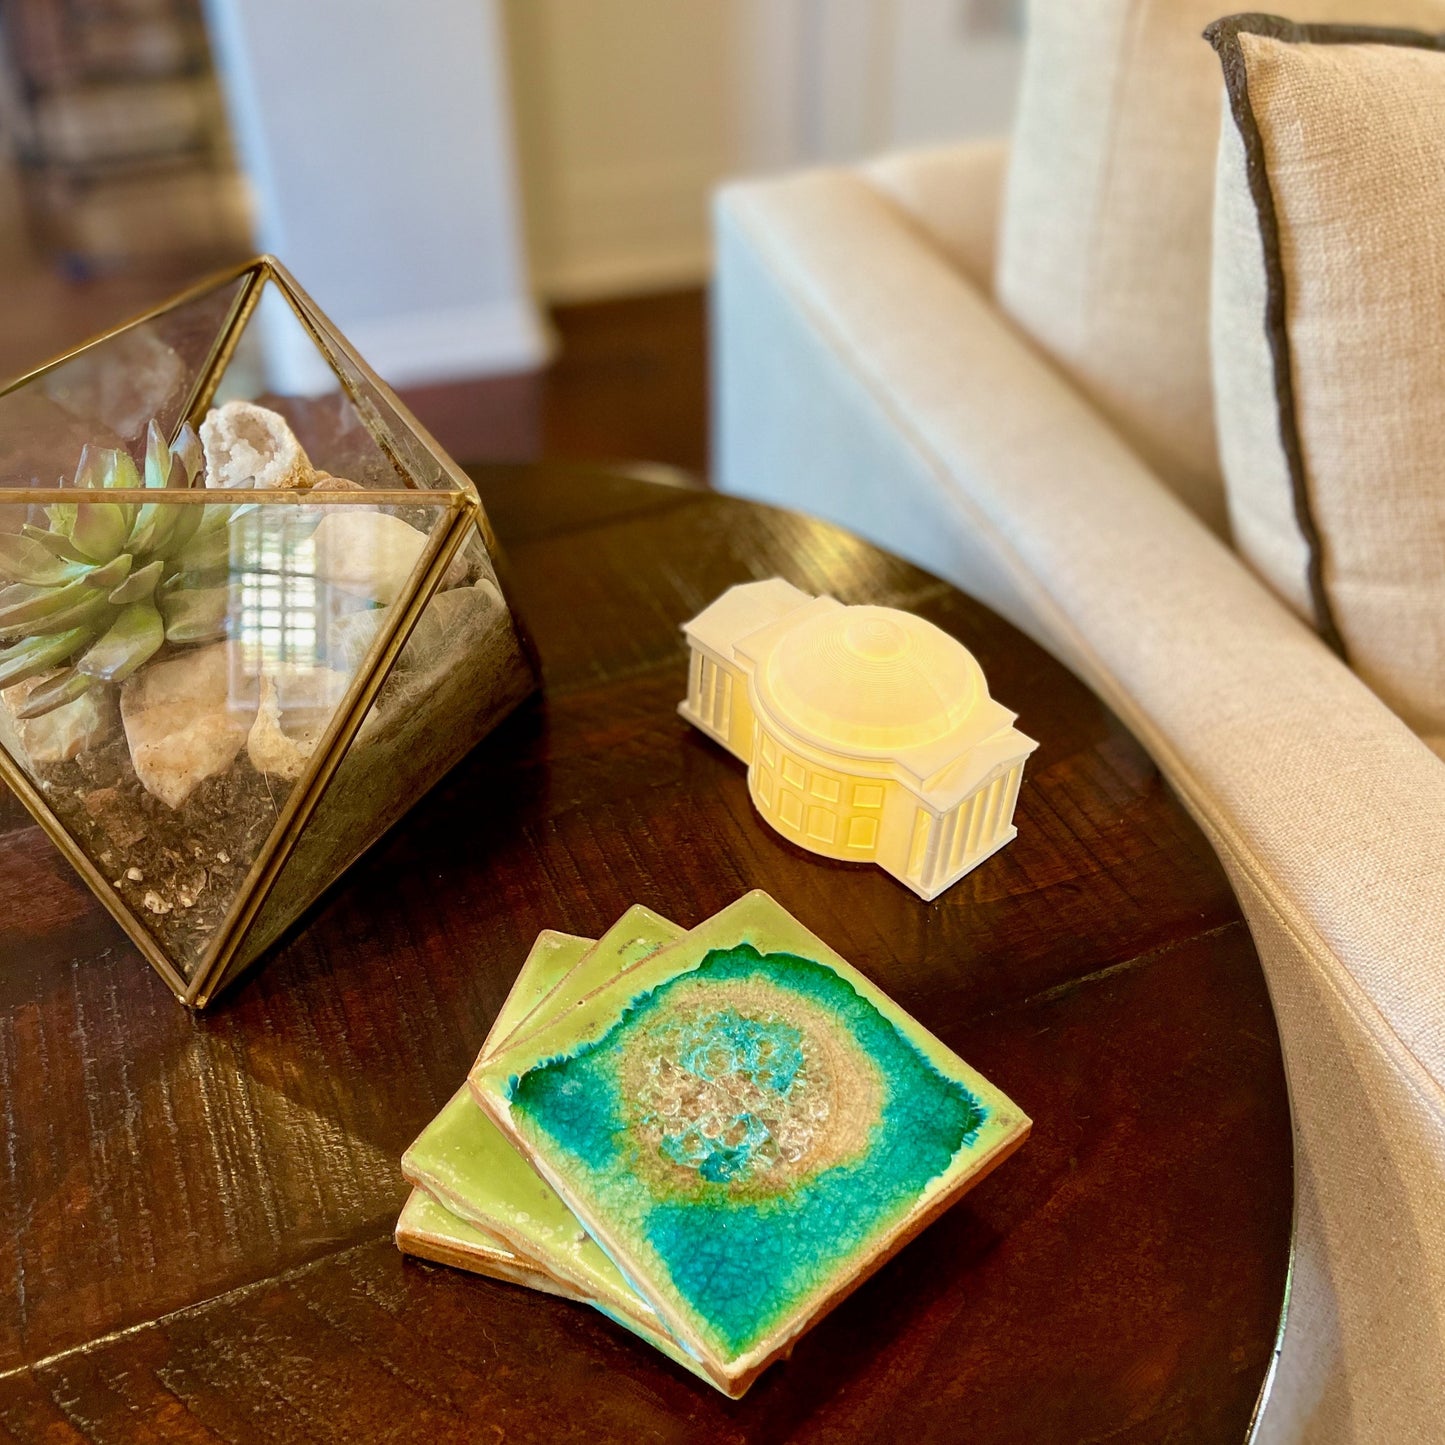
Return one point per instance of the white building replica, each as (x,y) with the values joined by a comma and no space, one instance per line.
(868,733)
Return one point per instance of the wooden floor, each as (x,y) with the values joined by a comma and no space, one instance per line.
(628,381)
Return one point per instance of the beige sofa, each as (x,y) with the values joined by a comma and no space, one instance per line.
(863,373)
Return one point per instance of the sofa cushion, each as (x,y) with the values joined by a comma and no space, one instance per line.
(952,194)
(1329,337)
(1104,245)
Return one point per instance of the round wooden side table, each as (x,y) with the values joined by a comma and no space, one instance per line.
(195,1213)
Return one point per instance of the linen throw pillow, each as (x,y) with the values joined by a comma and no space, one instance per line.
(1329,337)
(1104,240)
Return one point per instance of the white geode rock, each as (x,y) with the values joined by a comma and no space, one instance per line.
(367,554)
(251,447)
(61,734)
(182,724)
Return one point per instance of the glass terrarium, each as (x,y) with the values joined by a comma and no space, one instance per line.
(249,612)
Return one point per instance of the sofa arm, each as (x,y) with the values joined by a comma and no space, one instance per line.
(861,377)
(954,195)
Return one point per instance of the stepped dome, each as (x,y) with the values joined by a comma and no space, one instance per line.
(871,679)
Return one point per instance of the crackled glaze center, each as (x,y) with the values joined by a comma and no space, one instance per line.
(745,1086)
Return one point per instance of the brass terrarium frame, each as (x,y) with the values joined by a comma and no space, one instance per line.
(456,496)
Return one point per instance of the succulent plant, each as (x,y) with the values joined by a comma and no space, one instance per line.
(107,583)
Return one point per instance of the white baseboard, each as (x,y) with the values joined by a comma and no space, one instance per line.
(411,350)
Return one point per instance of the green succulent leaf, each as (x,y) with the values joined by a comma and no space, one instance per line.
(90,470)
(185,523)
(100,529)
(176,465)
(56,542)
(60,690)
(188,452)
(99,591)
(134,636)
(13,592)
(163,530)
(38,654)
(22,559)
(111,575)
(93,616)
(197,614)
(209,550)
(158,457)
(220,516)
(152,523)
(39,604)
(61,517)
(88,610)
(188,581)
(120,471)
(139,585)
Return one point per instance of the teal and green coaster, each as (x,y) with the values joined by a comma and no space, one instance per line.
(427,1230)
(470,1167)
(637,935)
(551,958)
(436,1156)
(747,1126)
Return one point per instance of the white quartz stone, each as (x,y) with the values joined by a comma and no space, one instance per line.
(281,741)
(61,734)
(367,554)
(182,723)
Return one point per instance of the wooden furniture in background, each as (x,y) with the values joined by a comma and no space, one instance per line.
(195,1213)
(117,123)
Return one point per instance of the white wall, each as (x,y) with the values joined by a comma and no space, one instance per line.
(954,69)
(626,115)
(629,112)
(383,144)
(377,137)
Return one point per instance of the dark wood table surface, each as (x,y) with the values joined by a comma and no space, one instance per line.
(196,1212)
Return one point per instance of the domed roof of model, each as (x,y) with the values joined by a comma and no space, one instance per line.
(872,679)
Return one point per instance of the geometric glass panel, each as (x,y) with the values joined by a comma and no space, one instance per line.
(248,614)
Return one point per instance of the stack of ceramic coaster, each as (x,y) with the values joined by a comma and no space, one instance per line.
(712,1137)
